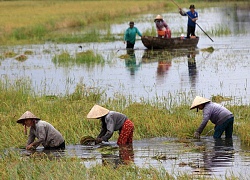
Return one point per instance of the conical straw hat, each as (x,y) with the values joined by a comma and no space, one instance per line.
(158,17)
(26,115)
(97,112)
(198,101)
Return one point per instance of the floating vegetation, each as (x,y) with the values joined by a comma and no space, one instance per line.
(108,149)
(219,98)
(21,58)
(28,52)
(161,156)
(209,49)
(9,54)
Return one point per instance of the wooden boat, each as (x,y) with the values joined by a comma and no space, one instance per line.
(151,42)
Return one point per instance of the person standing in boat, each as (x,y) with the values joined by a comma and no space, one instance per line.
(130,35)
(162,28)
(217,114)
(112,121)
(192,18)
(45,133)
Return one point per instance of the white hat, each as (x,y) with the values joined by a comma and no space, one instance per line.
(97,112)
(198,101)
(27,115)
(158,17)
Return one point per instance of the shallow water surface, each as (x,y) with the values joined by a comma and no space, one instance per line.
(209,157)
(179,74)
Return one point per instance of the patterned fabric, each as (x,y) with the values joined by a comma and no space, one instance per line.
(126,134)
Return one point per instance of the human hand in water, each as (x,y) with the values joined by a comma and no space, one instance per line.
(30,147)
(197,135)
(98,140)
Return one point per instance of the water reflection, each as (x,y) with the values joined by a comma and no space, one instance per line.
(130,62)
(192,71)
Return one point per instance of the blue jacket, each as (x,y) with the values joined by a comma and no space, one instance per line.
(191,16)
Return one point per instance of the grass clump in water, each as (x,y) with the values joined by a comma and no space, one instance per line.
(62,59)
(219,98)
(209,49)
(28,52)
(21,58)
(88,57)
(9,54)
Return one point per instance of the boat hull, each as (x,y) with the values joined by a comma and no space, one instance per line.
(151,42)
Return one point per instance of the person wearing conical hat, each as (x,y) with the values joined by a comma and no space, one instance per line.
(217,114)
(45,133)
(162,28)
(112,121)
(192,18)
(130,35)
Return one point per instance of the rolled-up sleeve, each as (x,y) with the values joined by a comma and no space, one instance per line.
(110,129)
(206,117)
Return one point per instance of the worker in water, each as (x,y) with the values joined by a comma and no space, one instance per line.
(112,121)
(192,18)
(45,133)
(217,114)
(130,35)
(162,28)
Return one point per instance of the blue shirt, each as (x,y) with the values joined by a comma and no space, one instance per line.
(191,16)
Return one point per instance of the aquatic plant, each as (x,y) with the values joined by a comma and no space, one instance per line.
(9,54)
(62,59)
(209,49)
(21,58)
(28,52)
(219,98)
(89,58)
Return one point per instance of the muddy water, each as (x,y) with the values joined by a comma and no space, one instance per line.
(181,74)
(205,157)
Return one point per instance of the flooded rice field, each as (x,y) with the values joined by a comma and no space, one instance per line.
(146,73)
(205,157)
(177,74)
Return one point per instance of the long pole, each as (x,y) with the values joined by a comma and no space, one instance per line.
(195,22)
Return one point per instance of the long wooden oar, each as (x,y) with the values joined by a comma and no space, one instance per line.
(195,22)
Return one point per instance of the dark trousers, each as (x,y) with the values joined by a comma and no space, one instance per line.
(190,31)
(227,126)
(60,147)
(130,45)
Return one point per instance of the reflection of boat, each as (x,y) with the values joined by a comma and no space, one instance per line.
(151,42)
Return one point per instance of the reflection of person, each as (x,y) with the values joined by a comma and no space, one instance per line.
(192,68)
(163,67)
(45,133)
(130,62)
(220,155)
(192,18)
(130,35)
(112,121)
(126,154)
(217,114)
(162,28)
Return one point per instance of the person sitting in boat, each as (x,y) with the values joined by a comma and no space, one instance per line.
(192,18)
(45,133)
(112,121)
(162,28)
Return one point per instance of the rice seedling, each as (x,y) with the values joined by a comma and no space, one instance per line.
(219,98)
